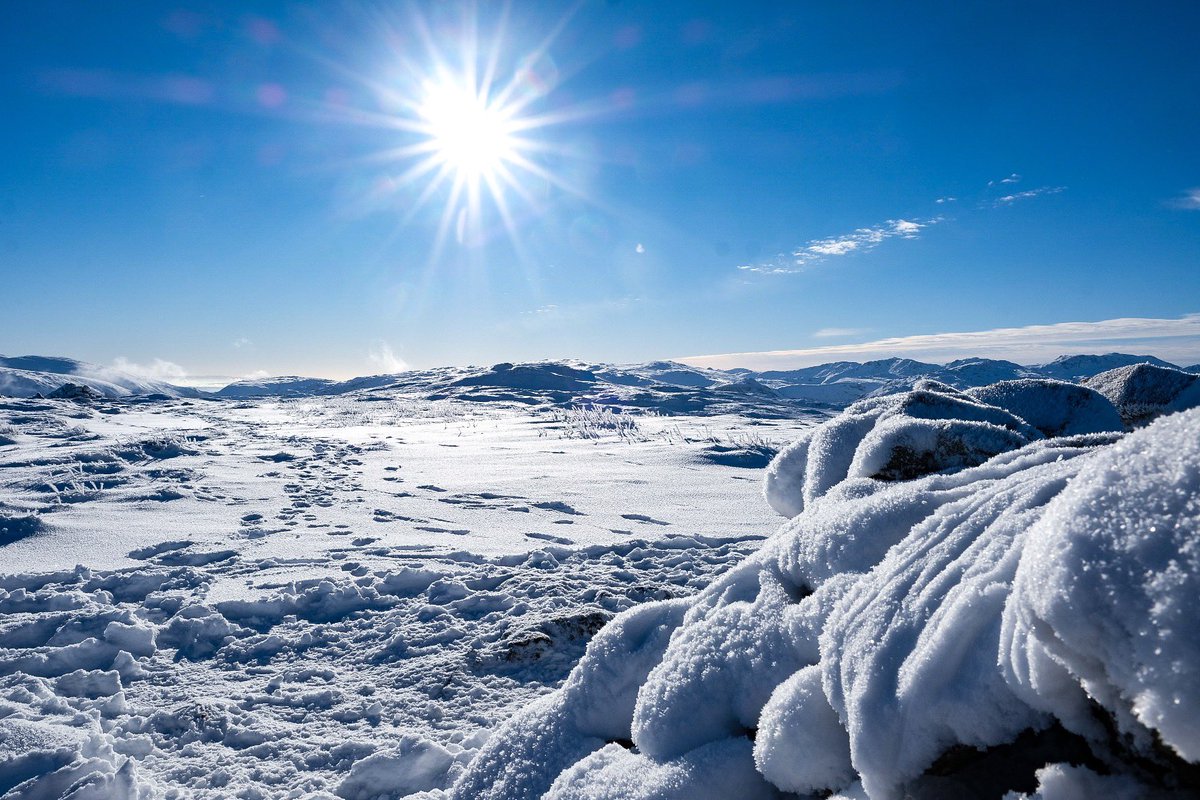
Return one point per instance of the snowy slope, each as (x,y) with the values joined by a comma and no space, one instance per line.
(1077,368)
(25,376)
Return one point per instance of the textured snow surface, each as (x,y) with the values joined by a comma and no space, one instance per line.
(330,597)
(1007,608)
(976,593)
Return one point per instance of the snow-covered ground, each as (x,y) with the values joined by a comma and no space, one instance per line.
(267,597)
(389,591)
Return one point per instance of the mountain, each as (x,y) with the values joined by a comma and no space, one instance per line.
(1076,368)
(25,376)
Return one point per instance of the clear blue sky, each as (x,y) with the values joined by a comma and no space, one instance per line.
(220,185)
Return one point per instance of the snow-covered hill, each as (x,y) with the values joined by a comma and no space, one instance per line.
(678,388)
(26,376)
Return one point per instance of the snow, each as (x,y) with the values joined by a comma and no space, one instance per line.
(333,596)
(1142,392)
(897,620)
(464,583)
(25,376)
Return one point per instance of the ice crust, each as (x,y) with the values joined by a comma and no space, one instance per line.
(997,595)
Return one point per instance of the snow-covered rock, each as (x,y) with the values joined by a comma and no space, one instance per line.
(1142,392)
(1055,408)
(993,605)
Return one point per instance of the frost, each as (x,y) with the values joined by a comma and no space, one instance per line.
(953,599)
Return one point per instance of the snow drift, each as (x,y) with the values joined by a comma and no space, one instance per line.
(974,594)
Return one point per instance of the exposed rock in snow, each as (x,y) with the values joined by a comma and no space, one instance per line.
(1142,392)
(74,391)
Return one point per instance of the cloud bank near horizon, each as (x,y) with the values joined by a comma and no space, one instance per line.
(1174,340)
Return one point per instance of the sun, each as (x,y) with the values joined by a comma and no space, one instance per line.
(466,133)
(475,129)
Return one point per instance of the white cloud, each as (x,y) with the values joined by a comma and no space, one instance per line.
(382,358)
(1175,340)
(1189,200)
(241,342)
(158,370)
(640,248)
(839,333)
(861,240)
(1012,198)
(942,200)
(1012,178)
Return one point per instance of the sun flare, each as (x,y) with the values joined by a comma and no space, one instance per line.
(467,133)
(477,132)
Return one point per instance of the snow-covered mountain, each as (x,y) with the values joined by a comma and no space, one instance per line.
(666,386)
(25,376)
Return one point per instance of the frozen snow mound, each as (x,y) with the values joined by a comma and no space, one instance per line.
(1055,408)
(958,630)
(933,428)
(1142,392)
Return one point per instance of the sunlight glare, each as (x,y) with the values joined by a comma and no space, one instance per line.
(467,133)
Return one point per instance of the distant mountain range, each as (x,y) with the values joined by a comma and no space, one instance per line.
(666,385)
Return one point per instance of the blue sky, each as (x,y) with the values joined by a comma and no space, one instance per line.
(217,189)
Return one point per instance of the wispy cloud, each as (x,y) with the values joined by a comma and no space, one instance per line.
(858,241)
(241,342)
(1008,199)
(382,357)
(158,370)
(1012,178)
(1189,200)
(1176,340)
(943,200)
(839,333)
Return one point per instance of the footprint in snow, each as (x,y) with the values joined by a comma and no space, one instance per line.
(644,518)
(559,506)
(143,553)
(546,537)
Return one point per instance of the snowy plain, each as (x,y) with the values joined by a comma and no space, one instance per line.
(386,588)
